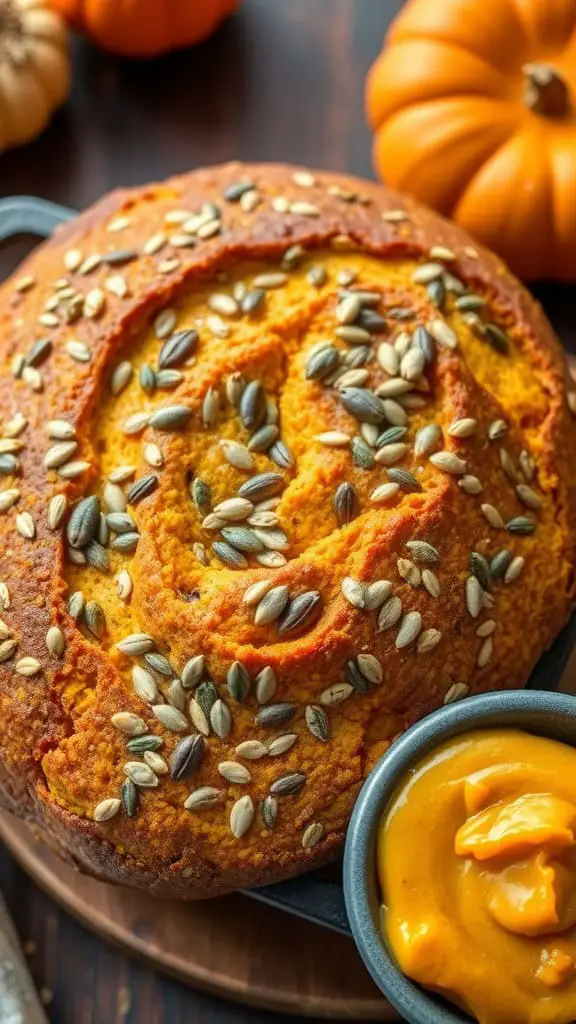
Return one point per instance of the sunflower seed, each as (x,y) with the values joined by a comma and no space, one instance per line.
(521,525)
(409,572)
(428,640)
(130,798)
(76,557)
(394,413)
(252,300)
(187,755)
(121,474)
(156,762)
(317,276)
(8,498)
(492,516)
(141,488)
(229,556)
(178,348)
(528,497)
(170,717)
(270,281)
(456,692)
(260,487)
(333,439)
(136,644)
(252,750)
(4,596)
(394,387)
(269,811)
(370,668)
(271,606)
(281,455)
(252,405)
(390,453)
(25,525)
(389,614)
(427,272)
(220,719)
(235,773)
(94,619)
(384,492)
(237,454)
(336,694)
(409,629)
(210,407)
(423,551)
(7,648)
(376,593)
(30,375)
(363,405)
(346,504)
(407,481)
(288,784)
(353,592)
(120,522)
(234,509)
(497,338)
(485,652)
(147,379)
(412,365)
(97,557)
(200,494)
(442,334)
(462,428)
(282,744)
(500,563)
(448,462)
(271,716)
(204,796)
(106,809)
(124,585)
(266,684)
(238,681)
(241,816)
(28,666)
(348,309)
(388,358)
(302,612)
(514,569)
(170,417)
(427,439)
(312,835)
(470,484)
(474,596)
(129,724)
(159,663)
(321,363)
(254,594)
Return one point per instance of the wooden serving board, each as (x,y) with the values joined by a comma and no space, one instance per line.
(232,946)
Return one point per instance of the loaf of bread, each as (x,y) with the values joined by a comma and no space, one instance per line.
(286,462)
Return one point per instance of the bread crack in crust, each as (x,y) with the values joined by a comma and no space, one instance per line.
(286,462)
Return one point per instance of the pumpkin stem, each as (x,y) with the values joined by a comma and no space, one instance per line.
(545,90)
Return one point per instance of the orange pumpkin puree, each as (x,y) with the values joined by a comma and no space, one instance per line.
(477,865)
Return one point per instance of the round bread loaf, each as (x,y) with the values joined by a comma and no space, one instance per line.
(286,462)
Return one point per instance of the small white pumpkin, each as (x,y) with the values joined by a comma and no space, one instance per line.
(34,69)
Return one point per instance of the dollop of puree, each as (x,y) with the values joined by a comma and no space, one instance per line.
(477,866)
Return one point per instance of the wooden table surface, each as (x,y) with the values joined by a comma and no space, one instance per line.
(282,80)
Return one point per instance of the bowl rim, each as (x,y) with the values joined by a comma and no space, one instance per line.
(413,1002)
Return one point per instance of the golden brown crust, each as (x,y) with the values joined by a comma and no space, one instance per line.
(61,754)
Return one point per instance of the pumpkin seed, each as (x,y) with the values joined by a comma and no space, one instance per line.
(514,569)
(271,606)
(384,492)
(336,694)
(141,774)
(288,784)
(136,644)
(241,816)
(448,462)
(363,405)
(106,809)
(238,681)
(353,592)
(521,525)
(499,564)
(204,796)
(144,684)
(389,614)
(128,723)
(266,684)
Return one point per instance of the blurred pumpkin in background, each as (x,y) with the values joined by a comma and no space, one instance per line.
(34,68)
(473,107)
(145,28)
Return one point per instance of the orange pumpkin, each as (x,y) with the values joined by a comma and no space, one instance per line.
(34,69)
(473,107)
(144,28)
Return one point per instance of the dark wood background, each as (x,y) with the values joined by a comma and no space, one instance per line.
(282,80)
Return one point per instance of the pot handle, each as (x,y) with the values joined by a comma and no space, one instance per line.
(29,215)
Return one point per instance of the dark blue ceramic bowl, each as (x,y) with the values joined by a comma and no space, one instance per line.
(547,714)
